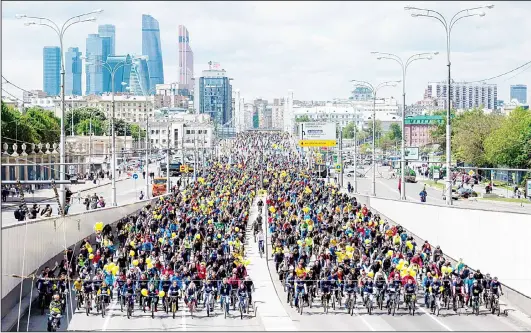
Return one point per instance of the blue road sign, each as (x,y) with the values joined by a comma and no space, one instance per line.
(135,176)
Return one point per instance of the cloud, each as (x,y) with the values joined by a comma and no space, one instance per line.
(314,48)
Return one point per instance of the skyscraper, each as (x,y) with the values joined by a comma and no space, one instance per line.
(51,63)
(519,92)
(108,30)
(464,95)
(139,80)
(151,47)
(122,67)
(186,59)
(98,78)
(215,95)
(73,72)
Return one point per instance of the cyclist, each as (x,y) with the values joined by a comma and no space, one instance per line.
(55,311)
(249,286)
(119,284)
(496,287)
(350,288)
(242,295)
(475,292)
(88,288)
(435,291)
(410,288)
(300,290)
(368,289)
(380,283)
(78,287)
(394,289)
(428,281)
(458,290)
(164,285)
(153,296)
(260,238)
(208,291)
(128,290)
(104,292)
(190,293)
(225,290)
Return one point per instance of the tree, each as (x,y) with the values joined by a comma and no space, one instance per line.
(510,144)
(378,128)
(16,128)
(395,132)
(303,119)
(438,133)
(136,132)
(44,122)
(81,114)
(349,130)
(470,129)
(84,127)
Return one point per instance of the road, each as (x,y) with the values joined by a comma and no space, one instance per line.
(388,188)
(127,191)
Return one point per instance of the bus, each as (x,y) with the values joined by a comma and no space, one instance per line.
(159,186)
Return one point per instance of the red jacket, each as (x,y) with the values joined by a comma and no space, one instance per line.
(201,271)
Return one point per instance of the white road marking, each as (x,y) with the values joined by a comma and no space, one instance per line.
(183,318)
(108,317)
(435,319)
(357,312)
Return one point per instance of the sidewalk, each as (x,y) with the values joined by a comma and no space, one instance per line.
(269,309)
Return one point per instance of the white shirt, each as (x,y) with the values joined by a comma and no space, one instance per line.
(261,236)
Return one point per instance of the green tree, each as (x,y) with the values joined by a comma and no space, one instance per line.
(136,132)
(84,127)
(438,133)
(378,128)
(395,132)
(16,128)
(470,130)
(81,114)
(45,123)
(303,119)
(349,130)
(510,144)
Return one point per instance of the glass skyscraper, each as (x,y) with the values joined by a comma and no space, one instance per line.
(97,77)
(51,62)
(139,79)
(73,72)
(519,92)
(215,96)
(122,65)
(151,47)
(108,30)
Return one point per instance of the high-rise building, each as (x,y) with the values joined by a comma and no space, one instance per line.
(108,30)
(73,71)
(152,49)
(464,95)
(289,117)
(51,63)
(239,112)
(139,80)
(277,116)
(28,95)
(361,94)
(122,74)
(215,95)
(186,59)
(519,92)
(97,77)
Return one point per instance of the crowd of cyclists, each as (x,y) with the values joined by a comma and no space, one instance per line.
(188,248)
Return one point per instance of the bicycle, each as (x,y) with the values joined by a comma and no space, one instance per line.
(192,305)
(153,305)
(290,295)
(410,300)
(300,301)
(350,302)
(379,299)
(88,301)
(79,300)
(325,299)
(54,318)
(101,302)
(495,304)
(261,248)
(369,303)
(174,305)
(225,304)
(475,305)
(392,303)
(128,298)
(487,297)
(242,305)
(435,304)
(209,302)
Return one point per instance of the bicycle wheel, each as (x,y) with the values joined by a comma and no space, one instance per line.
(395,305)
(240,306)
(103,309)
(173,307)
(153,309)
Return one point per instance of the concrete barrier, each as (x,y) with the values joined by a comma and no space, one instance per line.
(28,246)
(495,242)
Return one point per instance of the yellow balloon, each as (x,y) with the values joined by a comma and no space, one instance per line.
(144,292)
(132,244)
(115,270)
(299,242)
(161,240)
(162,293)
(198,236)
(219,236)
(90,250)
(131,253)
(370,274)
(91,256)
(237,229)
(135,262)
(150,265)
(272,209)
(148,261)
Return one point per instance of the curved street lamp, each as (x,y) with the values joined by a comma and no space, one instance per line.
(448,26)
(60,33)
(404,66)
(374,91)
(112,70)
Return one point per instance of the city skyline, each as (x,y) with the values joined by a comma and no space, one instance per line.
(316,63)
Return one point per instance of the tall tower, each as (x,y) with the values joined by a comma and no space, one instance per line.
(73,71)
(151,47)
(186,59)
(51,63)
(108,30)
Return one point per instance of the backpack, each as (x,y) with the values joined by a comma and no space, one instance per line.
(18,215)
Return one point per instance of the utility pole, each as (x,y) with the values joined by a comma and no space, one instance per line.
(341,157)
(195,155)
(168,161)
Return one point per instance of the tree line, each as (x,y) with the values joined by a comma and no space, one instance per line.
(37,125)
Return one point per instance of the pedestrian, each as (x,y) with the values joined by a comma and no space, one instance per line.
(144,174)
(141,195)
(423,194)
(78,196)
(400,185)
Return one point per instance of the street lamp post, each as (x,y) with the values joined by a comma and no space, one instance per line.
(374,91)
(112,70)
(60,33)
(146,94)
(448,25)
(390,56)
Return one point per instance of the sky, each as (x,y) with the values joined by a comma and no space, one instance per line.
(313,48)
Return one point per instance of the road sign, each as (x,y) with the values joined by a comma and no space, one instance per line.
(338,167)
(317,134)
(471,173)
(412,153)
(183,168)
(135,176)
(319,160)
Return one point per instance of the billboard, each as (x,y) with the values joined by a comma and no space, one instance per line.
(317,134)
(412,153)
